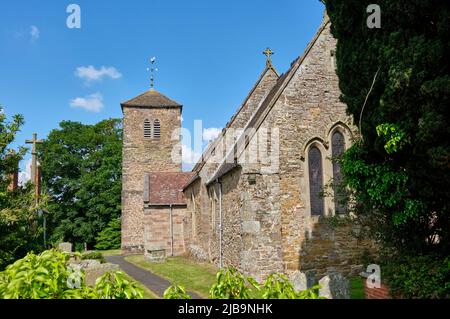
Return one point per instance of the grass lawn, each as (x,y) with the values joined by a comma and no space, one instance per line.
(357,288)
(196,277)
(112,252)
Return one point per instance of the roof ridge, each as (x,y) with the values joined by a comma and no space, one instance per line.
(270,100)
(201,162)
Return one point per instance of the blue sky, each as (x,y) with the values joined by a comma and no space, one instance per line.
(208,55)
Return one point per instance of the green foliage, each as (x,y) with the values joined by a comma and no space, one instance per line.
(114,285)
(395,137)
(278,286)
(93,255)
(48,276)
(425,276)
(110,237)
(399,173)
(230,284)
(176,292)
(81,171)
(233,285)
(19,224)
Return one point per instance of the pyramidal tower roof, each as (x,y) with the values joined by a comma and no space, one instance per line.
(151,99)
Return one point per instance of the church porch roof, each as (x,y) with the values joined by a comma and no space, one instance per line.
(165,188)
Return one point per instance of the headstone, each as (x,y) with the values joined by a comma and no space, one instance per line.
(299,280)
(65,247)
(93,272)
(334,286)
(86,263)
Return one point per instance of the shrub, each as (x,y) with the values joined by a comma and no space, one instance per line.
(114,285)
(278,286)
(48,276)
(418,276)
(231,284)
(93,255)
(176,292)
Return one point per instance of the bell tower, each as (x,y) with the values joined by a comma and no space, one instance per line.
(151,143)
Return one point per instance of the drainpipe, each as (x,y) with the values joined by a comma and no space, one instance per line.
(220,225)
(171,230)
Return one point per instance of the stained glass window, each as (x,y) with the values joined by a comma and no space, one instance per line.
(337,149)
(315,181)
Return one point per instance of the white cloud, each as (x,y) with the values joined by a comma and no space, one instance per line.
(91,103)
(25,176)
(211,133)
(189,157)
(34,33)
(91,74)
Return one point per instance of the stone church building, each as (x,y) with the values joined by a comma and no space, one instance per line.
(255,198)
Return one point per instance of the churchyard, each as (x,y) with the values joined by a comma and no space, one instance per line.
(356,206)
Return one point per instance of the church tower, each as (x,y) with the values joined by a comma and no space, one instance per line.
(151,143)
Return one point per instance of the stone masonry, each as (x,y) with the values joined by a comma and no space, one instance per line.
(266,221)
(256,213)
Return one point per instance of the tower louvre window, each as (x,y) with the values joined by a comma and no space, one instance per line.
(156,130)
(147,129)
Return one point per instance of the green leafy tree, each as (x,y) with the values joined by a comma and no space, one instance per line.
(110,237)
(395,81)
(19,226)
(81,171)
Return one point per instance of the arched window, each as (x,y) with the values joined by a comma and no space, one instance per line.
(337,149)
(147,129)
(315,168)
(156,129)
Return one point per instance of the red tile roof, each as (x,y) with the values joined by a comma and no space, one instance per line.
(166,188)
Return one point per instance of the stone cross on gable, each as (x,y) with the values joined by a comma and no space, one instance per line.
(268,53)
(35,174)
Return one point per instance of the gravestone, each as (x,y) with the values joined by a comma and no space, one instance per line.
(93,272)
(65,247)
(299,280)
(334,286)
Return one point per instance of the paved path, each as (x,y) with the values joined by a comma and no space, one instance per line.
(153,282)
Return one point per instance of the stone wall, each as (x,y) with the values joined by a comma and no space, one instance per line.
(207,234)
(144,155)
(328,248)
(307,112)
(157,229)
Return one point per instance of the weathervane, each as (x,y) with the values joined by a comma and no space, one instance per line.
(152,70)
(268,53)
